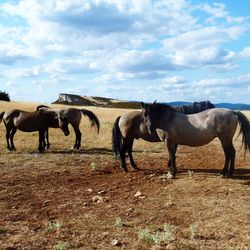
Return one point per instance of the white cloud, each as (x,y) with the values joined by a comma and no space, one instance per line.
(141,61)
(234,82)
(117,43)
(70,66)
(11,53)
(202,47)
(245,53)
(24,72)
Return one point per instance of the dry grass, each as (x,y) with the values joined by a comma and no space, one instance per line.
(65,199)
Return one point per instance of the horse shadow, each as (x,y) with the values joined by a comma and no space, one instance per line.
(240,174)
(87,151)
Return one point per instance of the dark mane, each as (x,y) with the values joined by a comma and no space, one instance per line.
(160,108)
(42,107)
(195,107)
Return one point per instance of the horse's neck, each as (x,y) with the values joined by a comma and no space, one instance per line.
(165,118)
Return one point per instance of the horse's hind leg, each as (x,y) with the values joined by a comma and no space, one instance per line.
(229,152)
(129,146)
(123,156)
(232,161)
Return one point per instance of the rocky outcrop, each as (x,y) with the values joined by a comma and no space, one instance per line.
(70,99)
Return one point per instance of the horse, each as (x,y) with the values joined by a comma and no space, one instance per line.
(31,121)
(174,128)
(131,126)
(195,107)
(73,116)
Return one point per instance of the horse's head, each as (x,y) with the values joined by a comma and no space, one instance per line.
(63,124)
(206,105)
(210,105)
(149,115)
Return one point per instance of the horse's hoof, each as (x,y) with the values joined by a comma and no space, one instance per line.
(135,168)
(170,176)
(124,169)
(226,174)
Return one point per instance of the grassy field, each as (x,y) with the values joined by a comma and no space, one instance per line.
(80,199)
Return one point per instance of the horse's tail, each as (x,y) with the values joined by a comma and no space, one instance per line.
(42,107)
(244,130)
(116,138)
(92,118)
(1,116)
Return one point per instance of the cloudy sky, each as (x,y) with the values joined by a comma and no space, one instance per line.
(167,50)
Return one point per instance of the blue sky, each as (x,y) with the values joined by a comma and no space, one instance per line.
(167,50)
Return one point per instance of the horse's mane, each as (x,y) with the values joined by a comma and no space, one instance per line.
(159,108)
(42,107)
(163,106)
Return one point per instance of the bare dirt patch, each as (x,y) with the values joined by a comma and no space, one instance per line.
(66,199)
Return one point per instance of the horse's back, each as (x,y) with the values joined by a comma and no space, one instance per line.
(130,122)
(221,122)
(11,114)
(201,128)
(224,121)
(74,115)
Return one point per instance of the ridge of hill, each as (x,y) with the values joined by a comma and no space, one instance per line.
(72,99)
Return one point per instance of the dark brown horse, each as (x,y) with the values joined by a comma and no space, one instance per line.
(174,128)
(30,122)
(131,126)
(195,107)
(73,116)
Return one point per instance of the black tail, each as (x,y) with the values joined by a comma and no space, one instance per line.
(92,118)
(1,116)
(244,130)
(116,138)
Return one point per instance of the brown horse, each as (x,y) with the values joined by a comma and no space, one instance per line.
(30,122)
(196,130)
(131,126)
(73,116)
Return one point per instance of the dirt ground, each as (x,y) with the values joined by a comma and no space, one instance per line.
(67,199)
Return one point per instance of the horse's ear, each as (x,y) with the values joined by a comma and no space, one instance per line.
(143,105)
(154,103)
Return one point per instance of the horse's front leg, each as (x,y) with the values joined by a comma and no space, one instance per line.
(12,133)
(8,137)
(78,137)
(47,144)
(41,146)
(129,146)
(171,162)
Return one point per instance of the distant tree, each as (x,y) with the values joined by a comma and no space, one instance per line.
(4,96)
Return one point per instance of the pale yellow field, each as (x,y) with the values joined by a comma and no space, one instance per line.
(90,138)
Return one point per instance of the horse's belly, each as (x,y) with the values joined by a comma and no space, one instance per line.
(25,127)
(27,130)
(196,141)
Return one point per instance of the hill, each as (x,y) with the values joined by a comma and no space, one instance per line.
(70,99)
